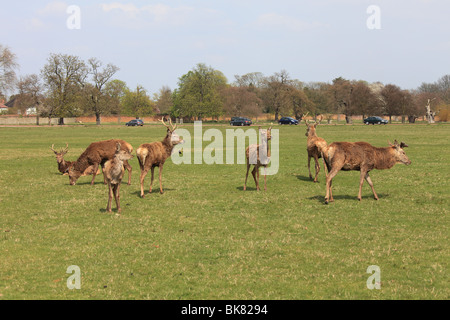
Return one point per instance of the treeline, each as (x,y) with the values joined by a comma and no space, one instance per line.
(67,86)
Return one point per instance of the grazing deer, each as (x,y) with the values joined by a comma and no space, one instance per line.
(363,157)
(64,166)
(252,154)
(96,154)
(155,154)
(113,170)
(313,144)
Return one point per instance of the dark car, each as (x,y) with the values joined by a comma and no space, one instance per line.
(240,121)
(288,120)
(135,122)
(375,120)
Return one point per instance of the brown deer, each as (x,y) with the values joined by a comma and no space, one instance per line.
(155,154)
(96,154)
(312,146)
(63,165)
(363,157)
(113,170)
(252,154)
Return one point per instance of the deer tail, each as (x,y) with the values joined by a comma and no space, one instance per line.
(141,154)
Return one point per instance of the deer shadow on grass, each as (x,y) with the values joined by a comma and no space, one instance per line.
(154,191)
(304,178)
(241,188)
(321,198)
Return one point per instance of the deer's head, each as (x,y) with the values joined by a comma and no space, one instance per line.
(311,127)
(60,154)
(172,137)
(400,155)
(122,154)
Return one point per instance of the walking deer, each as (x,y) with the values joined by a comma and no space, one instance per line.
(253,156)
(96,154)
(113,170)
(155,154)
(63,165)
(312,146)
(363,157)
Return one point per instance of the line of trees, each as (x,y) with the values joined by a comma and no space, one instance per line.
(67,86)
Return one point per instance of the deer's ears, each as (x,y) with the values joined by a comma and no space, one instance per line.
(397,145)
(403,145)
(117,147)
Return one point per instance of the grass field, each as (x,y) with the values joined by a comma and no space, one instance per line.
(205,238)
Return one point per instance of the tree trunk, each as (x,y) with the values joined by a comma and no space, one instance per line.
(411,119)
(98,120)
(348,119)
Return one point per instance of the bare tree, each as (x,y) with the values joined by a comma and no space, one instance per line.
(96,94)
(8,65)
(30,93)
(64,75)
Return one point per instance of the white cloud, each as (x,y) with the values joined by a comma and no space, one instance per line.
(52,8)
(158,13)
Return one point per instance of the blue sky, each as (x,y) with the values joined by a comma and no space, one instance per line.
(156,42)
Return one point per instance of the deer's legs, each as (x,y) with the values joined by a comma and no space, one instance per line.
(309,167)
(369,181)
(94,173)
(152,178)
(361,181)
(129,169)
(246,176)
(317,167)
(329,195)
(110,195)
(160,178)
(141,179)
(116,190)
(254,176)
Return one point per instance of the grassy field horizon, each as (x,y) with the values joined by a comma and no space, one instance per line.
(206,238)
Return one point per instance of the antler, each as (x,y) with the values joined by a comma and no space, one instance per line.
(172,128)
(304,117)
(52,148)
(320,120)
(64,151)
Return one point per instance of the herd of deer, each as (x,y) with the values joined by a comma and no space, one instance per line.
(113,155)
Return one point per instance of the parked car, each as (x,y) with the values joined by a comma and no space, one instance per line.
(287,120)
(135,122)
(375,120)
(240,121)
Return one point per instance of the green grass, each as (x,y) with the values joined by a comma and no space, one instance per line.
(205,238)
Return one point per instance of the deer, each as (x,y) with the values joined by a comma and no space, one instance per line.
(63,165)
(113,171)
(363,157)
(312,146)
(253,156)
(155,154)
(95,155)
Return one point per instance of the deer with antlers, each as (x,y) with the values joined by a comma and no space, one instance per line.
(363,157)
(95,155)
(254,157)
(313,144)
(64,166)
(155,154)
(113,170)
